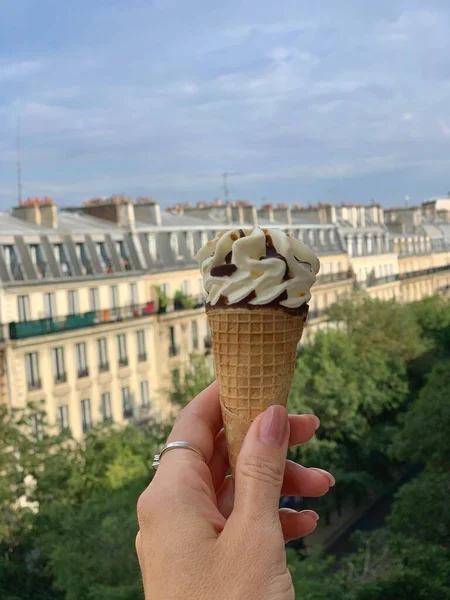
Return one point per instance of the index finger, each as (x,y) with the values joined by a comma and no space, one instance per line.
(198,424)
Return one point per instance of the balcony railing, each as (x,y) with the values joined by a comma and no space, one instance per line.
(103,367)
(316,313)
(83,372)
(123,361)
(424,272)
(60,378)
(174,351)
(332,277)
(21,330)
(128,412)
(207,343)
(372,281)
(35,384)
(142,356)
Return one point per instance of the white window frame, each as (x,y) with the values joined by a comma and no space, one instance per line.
(62,417)
(23,308)
(122,352)
(32,370)
(86,414)
(106,406)
(50,305)
(81,352)
(59,364)
(72,302)
(102,351)
(94,299)
(144,390)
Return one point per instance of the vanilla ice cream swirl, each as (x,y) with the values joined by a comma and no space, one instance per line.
(258,267)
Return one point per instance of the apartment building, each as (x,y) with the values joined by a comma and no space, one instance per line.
(100,303)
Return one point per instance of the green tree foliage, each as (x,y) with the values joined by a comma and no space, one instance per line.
(188,382)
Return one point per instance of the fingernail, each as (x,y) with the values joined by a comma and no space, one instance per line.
(273,426)
(315,420)
(329,476)
(310,512)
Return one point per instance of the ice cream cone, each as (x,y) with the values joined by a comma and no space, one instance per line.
(254,351)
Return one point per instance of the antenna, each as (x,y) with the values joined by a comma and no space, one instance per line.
(225,186)
(19,165)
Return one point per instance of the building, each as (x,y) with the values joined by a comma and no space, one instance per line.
(100,303)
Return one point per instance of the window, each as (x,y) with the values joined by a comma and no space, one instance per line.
(102,348)
(122,350)
(62,418)
(59,370)
(72,300)
(32,370)
(152,247)
(145,396)
(190,242)
(134,299)
(105,407)
(83,370)
(114,298)
(49,305)
(23,308)
(165,289)
(94,304)
(127,403)
(194,332)
(105,259)
(86,417)
(140,338)
(36,426)
(173,350)
(186,287)
(173,239)
(62,259)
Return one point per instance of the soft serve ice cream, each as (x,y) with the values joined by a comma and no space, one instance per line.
(258,268)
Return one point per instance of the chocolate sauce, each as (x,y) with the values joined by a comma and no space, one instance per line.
(300,311)
(272,253)
(228,258)
(223,270)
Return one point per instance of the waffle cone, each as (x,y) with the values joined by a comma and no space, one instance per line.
(254,352)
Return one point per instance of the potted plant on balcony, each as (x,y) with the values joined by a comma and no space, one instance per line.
(182,301)
(163,300)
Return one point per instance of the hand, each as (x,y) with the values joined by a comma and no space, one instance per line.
(203,537)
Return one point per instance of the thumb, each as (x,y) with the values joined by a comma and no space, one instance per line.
(261,463)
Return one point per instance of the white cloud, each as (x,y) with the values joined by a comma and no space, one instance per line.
(407,116)
(17,70)
(189,88)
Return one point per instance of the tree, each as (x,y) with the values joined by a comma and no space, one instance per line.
(189,382)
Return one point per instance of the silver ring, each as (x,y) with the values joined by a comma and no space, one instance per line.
(173,446)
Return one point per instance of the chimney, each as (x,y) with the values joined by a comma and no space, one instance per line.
(282,213)
(41,211)
(327,213)
(117,209)
(148,211)
(250,214)
(237,214)
(266,212)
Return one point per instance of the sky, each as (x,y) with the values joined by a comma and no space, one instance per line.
(299,101)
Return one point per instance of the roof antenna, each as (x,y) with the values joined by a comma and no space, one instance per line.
(19,165)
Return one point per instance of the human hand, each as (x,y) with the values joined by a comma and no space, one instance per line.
(201,535)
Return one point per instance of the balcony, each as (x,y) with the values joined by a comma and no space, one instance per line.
(38,327)
(83,372)
(60,378)
(424,272)
(317,313)
(128,412)
(103,367)
(372,281)
(34,384)
(333,277)
(142,356)
(123,361)
(208,344)
(174,350)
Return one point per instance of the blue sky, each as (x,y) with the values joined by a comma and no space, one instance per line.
(300,101)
